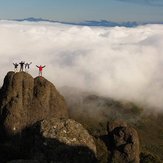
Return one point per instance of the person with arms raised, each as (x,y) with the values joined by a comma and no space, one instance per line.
(15,67)
(21,65)
(40,69)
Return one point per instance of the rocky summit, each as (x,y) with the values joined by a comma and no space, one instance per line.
(36,127)
(25,100)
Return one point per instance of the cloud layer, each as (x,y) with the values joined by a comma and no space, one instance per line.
(119,62)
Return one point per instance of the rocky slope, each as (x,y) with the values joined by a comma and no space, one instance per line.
(35,119)
(94,112)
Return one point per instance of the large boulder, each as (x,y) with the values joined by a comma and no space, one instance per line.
(124,143)
(67,131)
(64,140)
(25,100)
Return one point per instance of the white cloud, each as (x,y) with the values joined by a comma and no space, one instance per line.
(119,62)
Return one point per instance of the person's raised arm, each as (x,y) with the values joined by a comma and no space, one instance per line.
(44,66)
(37,66)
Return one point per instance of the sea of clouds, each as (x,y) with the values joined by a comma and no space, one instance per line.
(119,62)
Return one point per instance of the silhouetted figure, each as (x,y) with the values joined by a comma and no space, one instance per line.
(27,66)
(15,67)
(40,69)
(21,65)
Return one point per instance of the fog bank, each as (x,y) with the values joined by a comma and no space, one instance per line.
(118,62)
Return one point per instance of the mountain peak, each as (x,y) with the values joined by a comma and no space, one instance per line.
(25,100)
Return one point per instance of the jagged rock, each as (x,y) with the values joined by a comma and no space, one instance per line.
(64,140)
(25,100)
(124,143)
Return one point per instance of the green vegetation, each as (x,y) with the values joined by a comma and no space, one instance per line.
(136,110)
(150,130)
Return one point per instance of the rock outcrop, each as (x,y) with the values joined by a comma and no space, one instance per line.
(64,140)
(124,143)
(67,131)
(35,116)
(25,100)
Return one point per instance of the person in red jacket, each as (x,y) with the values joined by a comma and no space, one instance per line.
(40,69)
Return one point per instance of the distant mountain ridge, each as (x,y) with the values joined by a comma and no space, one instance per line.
(102,23)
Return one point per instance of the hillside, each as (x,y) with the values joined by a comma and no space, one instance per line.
(95,111)
(39,125)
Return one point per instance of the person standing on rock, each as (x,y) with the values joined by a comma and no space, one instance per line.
(15,67)
(40,69)
(21,65)
(27,66)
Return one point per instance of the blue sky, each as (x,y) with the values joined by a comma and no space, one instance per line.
(80,10)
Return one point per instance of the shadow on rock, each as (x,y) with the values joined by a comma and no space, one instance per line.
(31,145)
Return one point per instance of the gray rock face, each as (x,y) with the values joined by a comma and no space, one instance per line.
(67,131)
(25,100)
(64,140)
(125,143)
